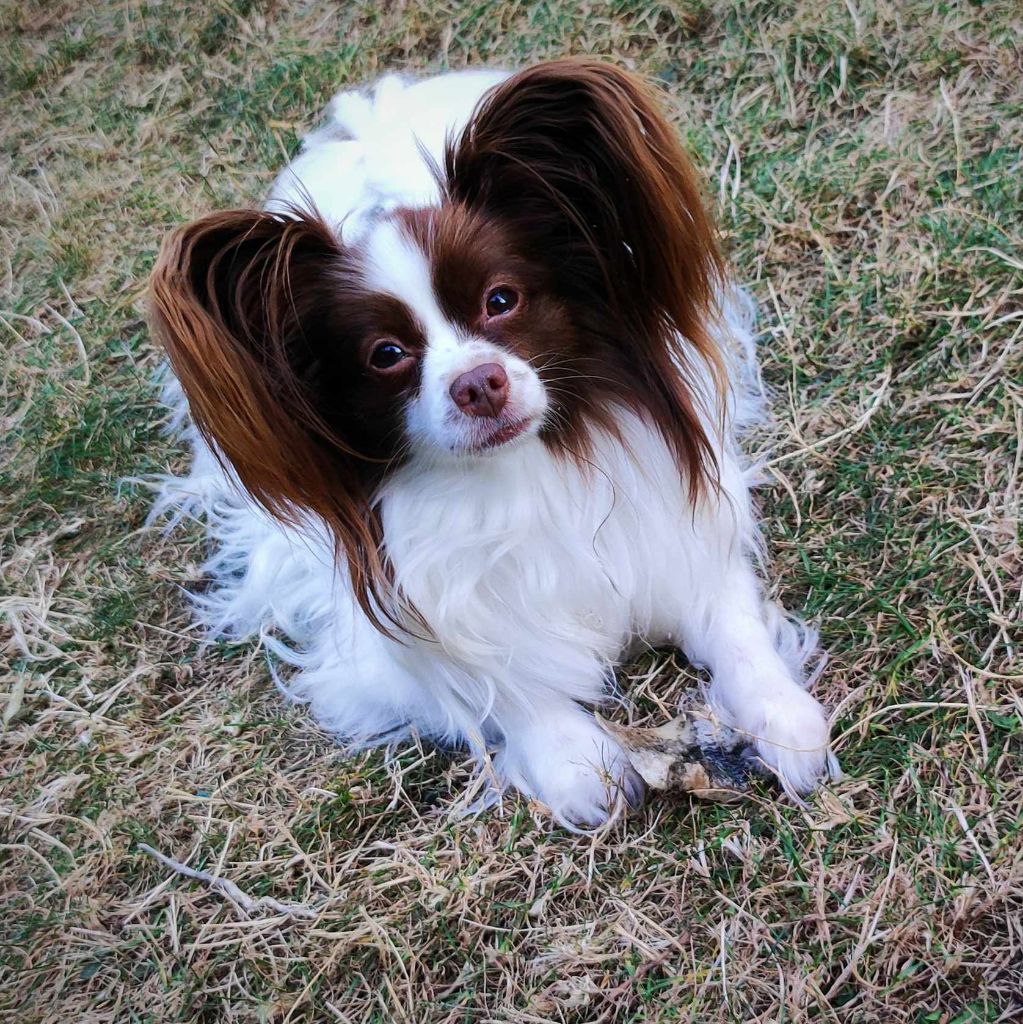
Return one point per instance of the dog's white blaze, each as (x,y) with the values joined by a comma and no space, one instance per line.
(396,266)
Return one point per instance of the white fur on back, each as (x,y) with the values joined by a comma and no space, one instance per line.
(368,156)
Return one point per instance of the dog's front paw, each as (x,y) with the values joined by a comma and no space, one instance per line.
(791,734)
(570,764)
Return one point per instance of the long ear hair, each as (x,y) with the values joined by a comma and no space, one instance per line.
(579,154)
(237,300)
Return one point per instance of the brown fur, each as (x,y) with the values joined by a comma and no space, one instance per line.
(577,158)
(249,307)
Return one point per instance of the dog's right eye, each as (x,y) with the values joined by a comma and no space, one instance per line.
(387,355)
(500,301)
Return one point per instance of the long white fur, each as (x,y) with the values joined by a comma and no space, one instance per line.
(535,574)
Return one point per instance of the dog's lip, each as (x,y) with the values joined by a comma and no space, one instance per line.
(506,433)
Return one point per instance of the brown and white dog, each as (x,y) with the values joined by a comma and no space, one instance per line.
(464,397)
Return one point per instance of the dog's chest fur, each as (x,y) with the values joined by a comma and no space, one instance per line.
(527,550)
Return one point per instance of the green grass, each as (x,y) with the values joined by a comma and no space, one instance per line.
(862,162)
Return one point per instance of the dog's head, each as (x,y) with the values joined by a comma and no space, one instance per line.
(568,270)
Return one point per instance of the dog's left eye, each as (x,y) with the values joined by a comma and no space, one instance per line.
(501,300)
(386,355)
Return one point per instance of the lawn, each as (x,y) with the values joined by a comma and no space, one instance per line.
(864,160)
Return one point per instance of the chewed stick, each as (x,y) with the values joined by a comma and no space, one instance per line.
(693,753)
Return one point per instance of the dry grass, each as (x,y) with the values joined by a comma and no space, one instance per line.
(866,161)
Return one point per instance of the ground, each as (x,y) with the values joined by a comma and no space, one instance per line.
(864,162)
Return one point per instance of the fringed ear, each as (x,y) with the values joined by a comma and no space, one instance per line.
(578,155)
(237,299)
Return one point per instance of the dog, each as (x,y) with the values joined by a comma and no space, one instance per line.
(463,399)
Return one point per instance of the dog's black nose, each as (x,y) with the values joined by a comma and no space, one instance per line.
(481,391)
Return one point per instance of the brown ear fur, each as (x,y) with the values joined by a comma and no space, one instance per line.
(235,301)
(579,153)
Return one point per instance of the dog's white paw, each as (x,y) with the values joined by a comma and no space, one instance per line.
(570,764)
(791,735)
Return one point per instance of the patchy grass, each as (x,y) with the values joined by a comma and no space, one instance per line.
(864,158)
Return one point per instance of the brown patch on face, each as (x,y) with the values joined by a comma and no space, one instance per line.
(576,163)
(470,256)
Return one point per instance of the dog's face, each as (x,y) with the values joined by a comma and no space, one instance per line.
(568,270)
(480,328)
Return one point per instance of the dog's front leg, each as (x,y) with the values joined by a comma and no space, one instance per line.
(753,688)
(555,751)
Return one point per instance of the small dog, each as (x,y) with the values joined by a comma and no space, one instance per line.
(464,398)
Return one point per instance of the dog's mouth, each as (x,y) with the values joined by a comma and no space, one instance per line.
(504,435)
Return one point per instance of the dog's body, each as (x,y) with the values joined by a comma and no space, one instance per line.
(523,562)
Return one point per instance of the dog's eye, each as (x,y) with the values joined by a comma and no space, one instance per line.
(501,300)
(387,355)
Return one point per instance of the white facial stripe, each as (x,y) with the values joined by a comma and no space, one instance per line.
(396,266)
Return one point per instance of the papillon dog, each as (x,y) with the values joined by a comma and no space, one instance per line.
(463,399)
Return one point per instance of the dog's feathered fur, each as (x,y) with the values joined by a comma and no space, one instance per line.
(429,574)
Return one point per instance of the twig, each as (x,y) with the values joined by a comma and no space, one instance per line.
(972,836)
(79,344)
(230,890)
(912,705)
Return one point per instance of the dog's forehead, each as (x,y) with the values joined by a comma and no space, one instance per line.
(437,261)
(469,253)
(396,265)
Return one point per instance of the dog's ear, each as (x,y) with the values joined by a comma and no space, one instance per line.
(237,300)
(579,154)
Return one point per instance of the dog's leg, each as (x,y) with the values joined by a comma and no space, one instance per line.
(556,752)
(753,688)
(544,744)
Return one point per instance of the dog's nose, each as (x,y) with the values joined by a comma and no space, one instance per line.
(481,391)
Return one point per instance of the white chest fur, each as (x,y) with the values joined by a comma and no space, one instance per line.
(540,565)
